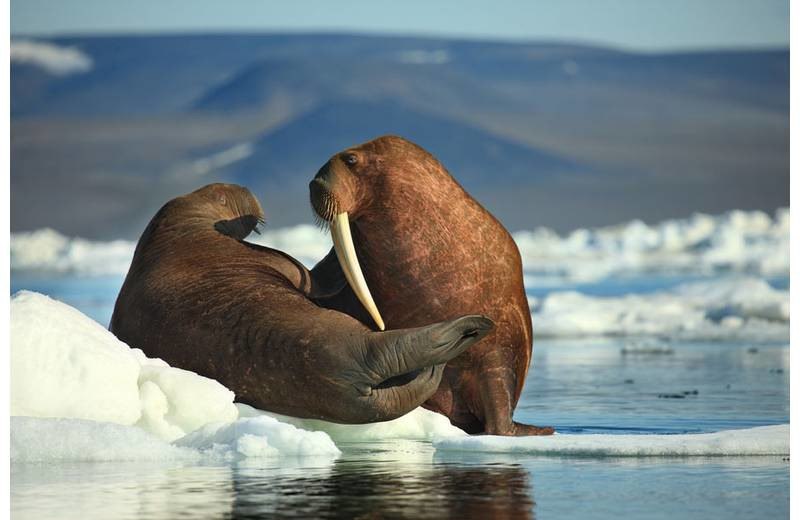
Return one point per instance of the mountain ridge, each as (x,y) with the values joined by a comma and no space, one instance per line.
(541,133)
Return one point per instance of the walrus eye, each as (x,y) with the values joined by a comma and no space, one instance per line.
(222,199)
(350,159)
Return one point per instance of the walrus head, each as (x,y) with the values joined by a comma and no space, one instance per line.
(344,190)
(231,209)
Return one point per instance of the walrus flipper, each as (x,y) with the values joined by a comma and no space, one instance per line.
(327,277)
(406,350)
(329,289)
(406,365)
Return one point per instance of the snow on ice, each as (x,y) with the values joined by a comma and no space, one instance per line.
(731,308)
(763,440)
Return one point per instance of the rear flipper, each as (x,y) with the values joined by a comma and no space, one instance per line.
(497,391)
(327,278)
(401,351)
(403,368)
(519,429)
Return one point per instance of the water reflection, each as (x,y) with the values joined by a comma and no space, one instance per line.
(375,489)
(359,485)
(112,490)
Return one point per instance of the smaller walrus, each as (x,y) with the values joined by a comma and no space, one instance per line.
(202,299)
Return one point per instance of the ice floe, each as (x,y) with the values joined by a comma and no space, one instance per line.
(37,439)
(763,440)
(78,393)
(48,251)
(749,242)
(743,308)
(738,241)
(257,437)
(418,424)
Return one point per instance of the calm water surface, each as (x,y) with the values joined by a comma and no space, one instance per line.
(579,386)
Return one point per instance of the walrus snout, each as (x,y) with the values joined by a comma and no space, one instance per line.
(334,190)
(329,208)
(322,199)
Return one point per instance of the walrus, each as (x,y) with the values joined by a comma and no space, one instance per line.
(411,245)
(201,298)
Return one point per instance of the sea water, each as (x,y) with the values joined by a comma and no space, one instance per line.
(634,385)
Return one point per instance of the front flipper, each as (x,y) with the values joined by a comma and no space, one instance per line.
(329,289)
(327,277)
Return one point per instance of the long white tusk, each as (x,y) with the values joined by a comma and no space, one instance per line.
(346,253)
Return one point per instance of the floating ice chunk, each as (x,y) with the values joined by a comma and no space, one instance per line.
(47,250)
(418,424)
(745,308)
(258,437)
(738,241)
(35,439)
(764,440)
(745,298)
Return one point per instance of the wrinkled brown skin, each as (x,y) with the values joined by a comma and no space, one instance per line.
(202,299)
(429,251)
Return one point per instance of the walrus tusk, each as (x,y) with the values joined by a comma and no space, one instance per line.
(346,253)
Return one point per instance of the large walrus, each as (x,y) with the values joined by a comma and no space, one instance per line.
(202,299)
(428,251)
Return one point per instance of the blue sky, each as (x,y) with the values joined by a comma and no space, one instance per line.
(635,24)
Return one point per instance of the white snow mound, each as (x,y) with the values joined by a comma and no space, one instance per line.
(258,437)
(64,364)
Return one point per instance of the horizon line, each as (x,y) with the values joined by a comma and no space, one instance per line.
(492,39)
